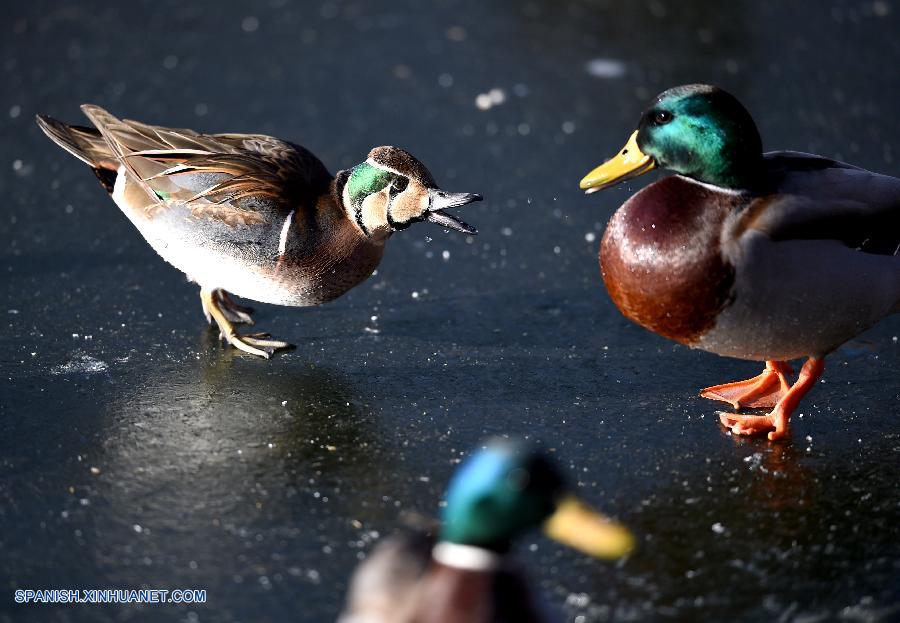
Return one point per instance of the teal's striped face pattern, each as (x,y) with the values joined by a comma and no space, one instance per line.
(365,180)
(391,190)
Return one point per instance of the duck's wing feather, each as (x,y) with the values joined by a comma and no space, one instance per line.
(215,174)
(815,198)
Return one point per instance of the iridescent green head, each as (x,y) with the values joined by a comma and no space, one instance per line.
(506,489)
(391,190)
(696,130)
(497,494)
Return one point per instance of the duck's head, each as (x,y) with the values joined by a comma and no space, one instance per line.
(696,130)
(506,489)
(391,190)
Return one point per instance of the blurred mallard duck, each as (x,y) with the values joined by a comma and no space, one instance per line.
(768,257)
(254,215)
(465,574)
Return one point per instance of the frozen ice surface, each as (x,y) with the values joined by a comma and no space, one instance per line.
(237,469)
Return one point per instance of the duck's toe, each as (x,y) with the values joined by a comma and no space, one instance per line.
(750,425)
(219,307)
(259,344)
(764,390)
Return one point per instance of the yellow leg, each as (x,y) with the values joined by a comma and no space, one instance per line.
(258,344)
(233,312)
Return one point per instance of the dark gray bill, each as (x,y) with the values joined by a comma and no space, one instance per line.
(441,201)
(450,222)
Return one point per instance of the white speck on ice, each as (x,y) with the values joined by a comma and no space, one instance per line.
(578,600)
(590,236)
(605,68)
(494,97)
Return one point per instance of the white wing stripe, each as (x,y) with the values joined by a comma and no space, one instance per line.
(282,241)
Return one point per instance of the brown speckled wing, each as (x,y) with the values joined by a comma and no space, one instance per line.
(233,178)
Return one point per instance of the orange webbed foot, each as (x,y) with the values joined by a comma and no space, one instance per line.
(762,391)
(776,423)
(755,425)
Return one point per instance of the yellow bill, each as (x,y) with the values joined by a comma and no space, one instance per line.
(579,526)
(628,163)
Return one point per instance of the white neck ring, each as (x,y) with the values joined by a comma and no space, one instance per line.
(466,557)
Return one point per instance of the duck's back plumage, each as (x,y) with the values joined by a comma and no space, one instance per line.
(818,198)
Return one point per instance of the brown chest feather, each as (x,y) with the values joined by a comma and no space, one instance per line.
(661,261)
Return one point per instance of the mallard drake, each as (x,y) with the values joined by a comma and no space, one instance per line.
(767,257)
(254,215)
(464,574)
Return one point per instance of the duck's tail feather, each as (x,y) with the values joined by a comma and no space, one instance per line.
(86,144)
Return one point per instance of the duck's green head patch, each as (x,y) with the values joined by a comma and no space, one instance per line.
(497,494)
(365,180)
(703,132)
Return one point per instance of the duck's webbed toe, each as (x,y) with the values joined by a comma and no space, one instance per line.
(763,390)
(221,309)
(776,423)
(740,424)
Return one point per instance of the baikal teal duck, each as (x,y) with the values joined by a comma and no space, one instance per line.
(253,215)
(464,574)
(761,256)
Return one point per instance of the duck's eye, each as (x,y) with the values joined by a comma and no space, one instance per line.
(662,117)
(398,186)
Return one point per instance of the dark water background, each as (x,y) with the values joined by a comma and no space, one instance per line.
(265,482)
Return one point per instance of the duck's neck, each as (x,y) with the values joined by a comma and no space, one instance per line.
(378,236)
(466,557)
(738,172)
(467,583)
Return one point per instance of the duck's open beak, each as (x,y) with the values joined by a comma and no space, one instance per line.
(441,201)
(628,163)
(579,526)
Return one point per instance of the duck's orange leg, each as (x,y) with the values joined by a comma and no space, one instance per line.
(777,422)
(764,390)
